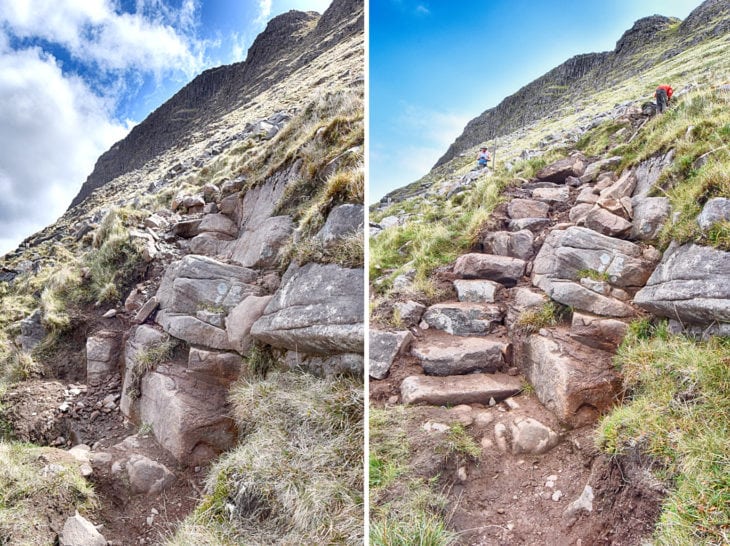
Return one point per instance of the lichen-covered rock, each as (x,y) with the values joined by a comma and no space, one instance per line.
(715,210)
(318,309)
(344,220)
(102,355)
(567,252)
(650,215)
(197,282)
(690,284)
(477,290)
(464,318)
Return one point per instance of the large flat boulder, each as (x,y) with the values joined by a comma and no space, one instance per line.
(562,169)
(318,309)
(259,247)
(575,382)
(565,253)
(690,284)
(527,208)
(464,318)
(198,282)
(502,269)
(461,355)
(463,389)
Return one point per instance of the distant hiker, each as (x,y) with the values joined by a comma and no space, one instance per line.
(483,157)
(663,94)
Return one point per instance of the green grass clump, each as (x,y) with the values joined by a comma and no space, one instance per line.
(531,320)
(348,251)
(296,478)
(593,274)
(31,502)
(405,508)
(676,412)
(112,262)
(260,360)
(461,443)
(419,531)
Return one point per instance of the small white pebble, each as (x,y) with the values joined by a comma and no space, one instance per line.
(557,495)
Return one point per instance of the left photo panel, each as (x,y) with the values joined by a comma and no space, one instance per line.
(181,272)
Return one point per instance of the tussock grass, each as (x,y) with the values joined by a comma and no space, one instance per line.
(405,508)
(677,413)
(531,320)
(348,251)
(437,236)
(61,288)
(113,260)
(28,498)
(296,478)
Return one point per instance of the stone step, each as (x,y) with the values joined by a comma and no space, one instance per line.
(464,318)
(447,355)
(459,389)
(577,383)
(502,269)
(478,290)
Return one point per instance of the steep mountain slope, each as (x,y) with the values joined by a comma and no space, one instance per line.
(548,341)
(193,326)
(291,41)
(573,84)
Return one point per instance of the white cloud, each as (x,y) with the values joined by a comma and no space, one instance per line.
(264,12)
(427,134)
(422,10)
(53,130)
(92,31)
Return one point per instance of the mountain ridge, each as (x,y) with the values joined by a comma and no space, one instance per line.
(575,77)
(291,40)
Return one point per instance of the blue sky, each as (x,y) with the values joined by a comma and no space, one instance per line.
(434,65)
(76,75)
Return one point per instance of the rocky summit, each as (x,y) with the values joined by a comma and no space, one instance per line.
(198,312)
(550,331)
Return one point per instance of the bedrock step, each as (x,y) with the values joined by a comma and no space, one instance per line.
(464,318)
(475,388)
(449,355)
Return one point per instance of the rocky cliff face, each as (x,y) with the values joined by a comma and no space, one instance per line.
(289,42)
(650,40)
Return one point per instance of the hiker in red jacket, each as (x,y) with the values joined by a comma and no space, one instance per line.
(663,94)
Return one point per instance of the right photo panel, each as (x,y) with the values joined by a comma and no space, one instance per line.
(549,273)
